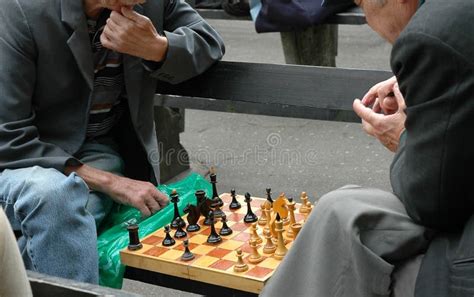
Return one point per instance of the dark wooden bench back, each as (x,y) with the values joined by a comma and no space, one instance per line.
(270,89)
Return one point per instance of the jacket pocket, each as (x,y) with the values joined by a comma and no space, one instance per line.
(462,277)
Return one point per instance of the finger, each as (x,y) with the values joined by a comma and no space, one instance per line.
(366,113)
(385,89)
(106,41)
(161,198)
(153,205)
(141,20)
(119,19)
(144,210)
(112,26)
(389,105)
(370,96)
(399,97)
(376,108)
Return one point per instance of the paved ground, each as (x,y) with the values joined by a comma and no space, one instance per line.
(291,155)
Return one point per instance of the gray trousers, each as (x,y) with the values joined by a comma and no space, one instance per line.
(349,247)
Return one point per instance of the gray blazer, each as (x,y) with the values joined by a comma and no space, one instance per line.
(432,172)
(46,76)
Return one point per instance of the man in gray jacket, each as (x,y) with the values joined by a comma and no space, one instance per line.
(77,79)
(367,242)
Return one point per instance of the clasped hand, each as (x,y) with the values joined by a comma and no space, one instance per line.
(131,33)
(382,113)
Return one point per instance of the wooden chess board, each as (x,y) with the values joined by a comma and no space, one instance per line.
(212,264)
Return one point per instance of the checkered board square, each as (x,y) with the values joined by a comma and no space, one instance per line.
(213,263)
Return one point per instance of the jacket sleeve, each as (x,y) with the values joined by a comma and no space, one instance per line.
(193,45)
(20,142)
(432,171)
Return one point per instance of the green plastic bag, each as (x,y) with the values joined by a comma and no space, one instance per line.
(114,235)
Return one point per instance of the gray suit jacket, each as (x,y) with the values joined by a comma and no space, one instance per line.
(432,172)
(46,76)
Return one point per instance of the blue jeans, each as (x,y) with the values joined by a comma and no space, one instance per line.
(58,215)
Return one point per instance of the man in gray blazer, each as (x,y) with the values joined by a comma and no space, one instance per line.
(367,242)
(77,79)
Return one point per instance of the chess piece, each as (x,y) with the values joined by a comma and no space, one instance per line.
(193,217)
(296,228)
(280,207)
(269,196)
(269,247)
(250,217)
(134,240)
(281,249)
(255,256)
(254,235)
(168,241)
(270,222)
(213,237)
(177,220)
(187,255)
(204,206)
(234,204)
(180,233)
(217,202)
(240,266)
(225,230)
(291,205)
(304,203)
(263,218)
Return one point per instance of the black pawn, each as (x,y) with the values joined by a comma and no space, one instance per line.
(187,256)
(269,196)
(134,240)
(168,241)
(213,237)
(180,233)
(250,217)
(225,230)
(234,204)
(177,220)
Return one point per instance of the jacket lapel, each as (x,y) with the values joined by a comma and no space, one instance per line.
(72,14)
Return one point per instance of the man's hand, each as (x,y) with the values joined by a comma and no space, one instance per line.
(141,195)
(387,128)
(134,34)
(381,98)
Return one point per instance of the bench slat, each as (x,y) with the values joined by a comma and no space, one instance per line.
(281,90)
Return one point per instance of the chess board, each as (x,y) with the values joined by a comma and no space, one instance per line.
(213,263)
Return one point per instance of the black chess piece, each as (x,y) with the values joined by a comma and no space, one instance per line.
(177,220)
(217,202)
(204,206)
(269,196)
(168,241)
(225,230)
(213,237)
(134,240)
(193,217)
(234,204)
(187,256)
(250,217)
(180,233)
